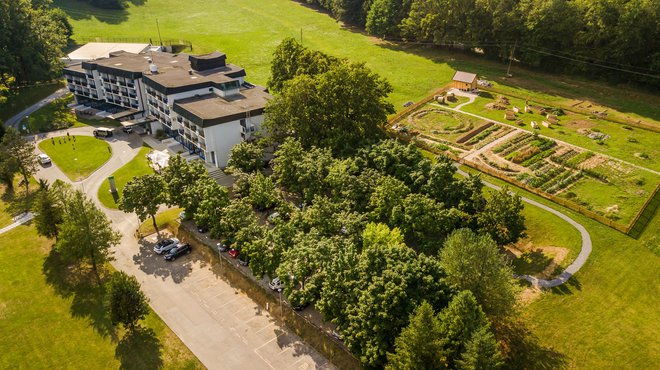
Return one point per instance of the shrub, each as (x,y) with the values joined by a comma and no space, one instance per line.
(632,140)
(640,181)
(626,127)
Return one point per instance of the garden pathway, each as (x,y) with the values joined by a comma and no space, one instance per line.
(516,129)
(577,264)
(18,221)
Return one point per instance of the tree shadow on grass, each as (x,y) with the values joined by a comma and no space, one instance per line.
(79,283)
(140,350)
(524,350)
(568,287)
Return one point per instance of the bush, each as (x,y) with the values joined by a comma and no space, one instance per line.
(632,140)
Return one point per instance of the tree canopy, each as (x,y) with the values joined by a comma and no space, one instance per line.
(143,195)
(128,304)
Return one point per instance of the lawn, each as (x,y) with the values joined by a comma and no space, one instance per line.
(79,158)
(606,315)
(57,115)
(46,322)
(136,167)
(248,31)
(23,97)
(624,143)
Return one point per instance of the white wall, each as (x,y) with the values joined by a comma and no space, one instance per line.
(221,138)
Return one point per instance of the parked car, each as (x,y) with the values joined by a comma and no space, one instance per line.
(300,307)
(222,247)
(179,251)
(43,159)
(202,228)
(127,130)
(233,253)
(165,245)
(336,335)
(243,260)
(182,216)
(273,216)
(276,284)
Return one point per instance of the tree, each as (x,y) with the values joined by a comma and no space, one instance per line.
(32,37)
(327,111)
(263,193)
(388,194)
(481,352)
(181,175)
(458,322)
(213,199)
(24,160)
(392,280)
(48,212)
(502,217)
(473,262)
(85,233)
(301,171)
(246,157)
(384,17)
(236,216)
(403,162)
(418,346)
(143,195)
(291,59)
(128,304)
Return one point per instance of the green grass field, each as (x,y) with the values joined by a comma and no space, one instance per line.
(248,31)
(46,322)
(605,316)
(136,167)
(77,159)
(21,98)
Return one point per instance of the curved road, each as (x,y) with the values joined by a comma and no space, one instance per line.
(13,121)
(223,327)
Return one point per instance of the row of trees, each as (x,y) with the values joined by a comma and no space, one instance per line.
(16,157)
(552,34)
(361,238)
(84,237)
(32,36)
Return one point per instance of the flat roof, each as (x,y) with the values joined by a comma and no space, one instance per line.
(464,77)
(211,109)
(95,50)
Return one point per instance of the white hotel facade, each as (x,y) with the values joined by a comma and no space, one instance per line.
(201,101)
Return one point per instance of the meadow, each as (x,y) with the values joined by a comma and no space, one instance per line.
(51,318)
(138,166)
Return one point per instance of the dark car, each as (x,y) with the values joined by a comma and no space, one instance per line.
(243,260)
(222,247)
(179,251)
(300,307)
(202,228)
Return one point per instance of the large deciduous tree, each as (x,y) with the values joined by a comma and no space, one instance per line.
(341,108)
(143,195)
(85,233)
(502,218)
(128,304)
(473,262)
(246,157)
(18,155)
(181,176)
(213,198)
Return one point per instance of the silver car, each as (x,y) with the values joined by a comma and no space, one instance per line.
(165,245)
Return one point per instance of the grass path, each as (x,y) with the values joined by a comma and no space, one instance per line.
(77,159)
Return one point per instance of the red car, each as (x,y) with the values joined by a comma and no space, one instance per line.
(233,253)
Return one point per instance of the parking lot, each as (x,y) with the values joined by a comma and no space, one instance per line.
(231,331)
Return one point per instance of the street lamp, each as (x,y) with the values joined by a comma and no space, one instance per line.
(281,307)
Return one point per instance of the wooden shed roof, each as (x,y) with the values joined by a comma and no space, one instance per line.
(464,77)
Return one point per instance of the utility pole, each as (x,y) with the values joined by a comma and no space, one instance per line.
(158,28)
(508,70)
(301,36)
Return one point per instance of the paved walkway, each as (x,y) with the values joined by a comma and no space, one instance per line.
(577,263)
(13,121)
(223,327)
(18,221)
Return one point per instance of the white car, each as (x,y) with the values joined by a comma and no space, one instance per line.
(276,284)
(43,159)
(165,245)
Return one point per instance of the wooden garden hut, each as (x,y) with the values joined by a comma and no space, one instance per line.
(464,81)
(510,115)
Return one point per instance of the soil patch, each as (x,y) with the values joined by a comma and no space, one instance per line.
(581,124)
